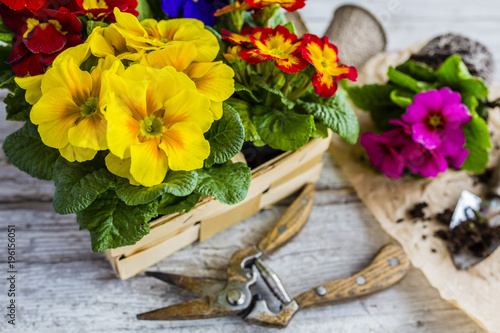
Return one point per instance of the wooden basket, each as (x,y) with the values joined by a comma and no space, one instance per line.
(271,182)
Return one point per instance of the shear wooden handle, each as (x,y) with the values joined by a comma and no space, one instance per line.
(290,223)
(389,267)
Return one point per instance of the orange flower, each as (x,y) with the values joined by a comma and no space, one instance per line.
(324,57)
(244,37)
(276,44)
(230,8)
(289,5)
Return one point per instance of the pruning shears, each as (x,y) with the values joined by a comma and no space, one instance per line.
(234,296)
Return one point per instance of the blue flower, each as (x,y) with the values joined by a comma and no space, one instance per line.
(202,10)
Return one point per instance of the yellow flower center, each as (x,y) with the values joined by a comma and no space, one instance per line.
(94,4)
(33,23)
(435,121)
(151,127)
(90,107)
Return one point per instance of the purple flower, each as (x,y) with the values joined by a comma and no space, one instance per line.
(384,151)
(428,163)
(202,10)
(436,118)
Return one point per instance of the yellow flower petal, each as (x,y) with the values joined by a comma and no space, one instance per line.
(129,22)
(55,113)
(132,93)
(216,108)
(78,53)
(72,153)
(68,74)
(33,87)
(149,163)
(185,146)
(178,56)
(89,133)
(99,45)
(122,128)
(191,30)
(120,167)
(212,79)
(188,106)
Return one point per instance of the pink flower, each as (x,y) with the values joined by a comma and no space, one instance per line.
(436,118)
(428,163)
(384,151)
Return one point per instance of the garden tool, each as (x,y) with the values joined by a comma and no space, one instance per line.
(234,296)
(471,206)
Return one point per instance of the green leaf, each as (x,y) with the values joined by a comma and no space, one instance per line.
(477,141)
(144,10)
(371,97)
(9,84)
(91,25)
(228,183)
(337,114)
(25,149)
(406,81)
(258,80)
(453,73)
(5,69)
(291,27)
(239,87)
(472,103)
(243,109)
(283,130)
(226,137)
(320,130)
(417,70)
(277,19)
(402,98)
(6,37)
(16,106)
(112,223)
(170,204)
(78,185)
(177,183)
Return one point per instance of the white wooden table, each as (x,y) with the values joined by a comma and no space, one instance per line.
(64,287)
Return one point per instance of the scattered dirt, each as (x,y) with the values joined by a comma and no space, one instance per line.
(417,212)
(445,216)
(483,178)
(472,235)
(400,220)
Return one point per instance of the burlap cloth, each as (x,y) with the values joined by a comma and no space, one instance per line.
(475,291)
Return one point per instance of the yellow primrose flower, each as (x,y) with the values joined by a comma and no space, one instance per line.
(156,120)
(150,34)
(70,111)
(33,84)
(108,41)
(212,79)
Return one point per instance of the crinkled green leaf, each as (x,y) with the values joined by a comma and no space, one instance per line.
(170,204)
(478,142)
(472,103)
(277,19)
(406,81)
(320,130)
(258,80)
(91,25)
(241,88)
(371,97)
(9,83)
(417,70)
(16,106)
(78,185)
(402,98)
(228,183)
(144,10)
(336,113)
(177,183)
(453,73)
(243,109)
(226,137)
(25,149)
(113,224)
(283,130)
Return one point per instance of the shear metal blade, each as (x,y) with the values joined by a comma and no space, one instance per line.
(199,308)
(465,260)
(196,286)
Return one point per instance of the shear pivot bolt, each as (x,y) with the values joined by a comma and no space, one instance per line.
(360,280)
(321,291)
(235,297)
